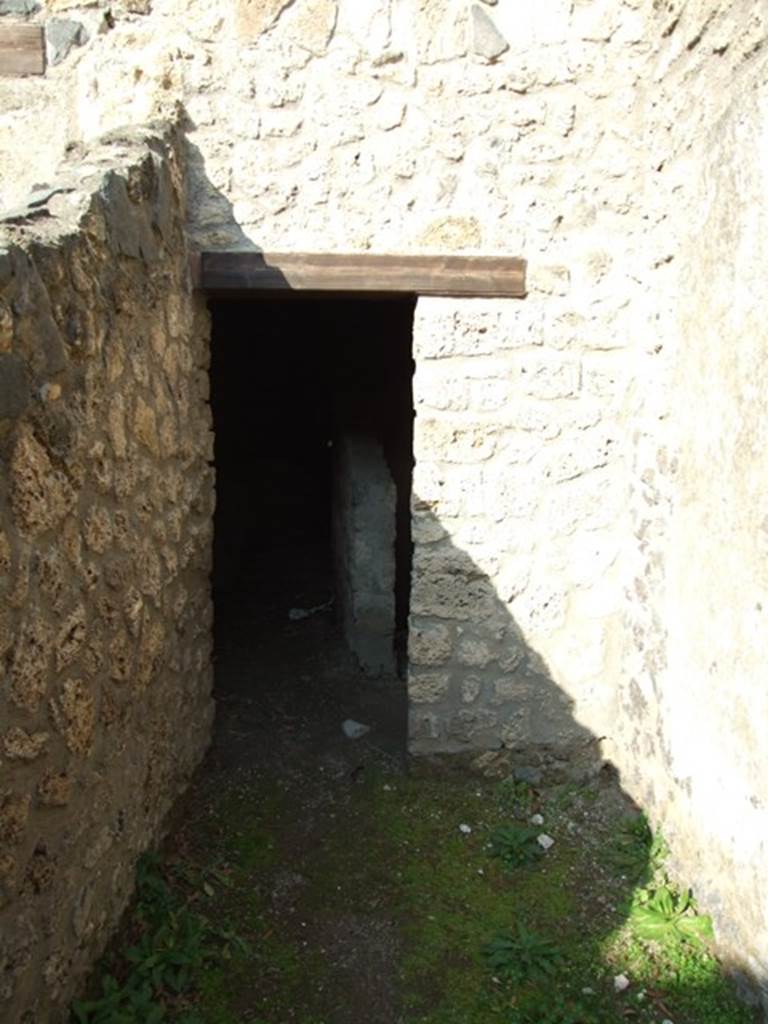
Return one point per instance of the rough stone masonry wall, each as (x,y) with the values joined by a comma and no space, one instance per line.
(517,536)
(693,696)
(589,136)
(105,531)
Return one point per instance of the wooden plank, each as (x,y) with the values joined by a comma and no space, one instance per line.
(363,272)
(22,50)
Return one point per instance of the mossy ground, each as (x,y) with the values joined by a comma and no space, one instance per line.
(359,896)
(370,903)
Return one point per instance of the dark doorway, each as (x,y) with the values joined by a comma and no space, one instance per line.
(290,379)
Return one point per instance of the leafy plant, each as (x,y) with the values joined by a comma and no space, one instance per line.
(173,942)
(637,853)
(517,797)
(522,955)
(664,915)
(515,844)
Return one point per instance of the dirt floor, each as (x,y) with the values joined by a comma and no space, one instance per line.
(339,885)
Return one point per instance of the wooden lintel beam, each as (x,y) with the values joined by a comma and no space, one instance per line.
(501,276)
(22,50)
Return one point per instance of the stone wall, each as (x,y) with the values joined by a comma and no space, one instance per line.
(587,490)
(105,531)
(692,692)
(518,495)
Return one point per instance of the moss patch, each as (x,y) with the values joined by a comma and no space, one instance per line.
(381,899)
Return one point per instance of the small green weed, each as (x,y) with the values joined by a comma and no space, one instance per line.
(637,853)
(147,983)
(522,955)
(517,797)
(515,845)
(662,914)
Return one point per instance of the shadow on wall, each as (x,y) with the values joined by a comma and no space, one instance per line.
(476,687)
(214,213)
(474,681)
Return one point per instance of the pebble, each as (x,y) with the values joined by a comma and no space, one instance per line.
(545,841)
(354,730)
(620,983)
(537,819)
(466,829)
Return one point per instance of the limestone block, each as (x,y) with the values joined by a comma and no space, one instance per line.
(29,663)
(541,609)
(54,789)
(549,376)
(52,578)
(427,687)
(605,374)
(516,728)
(475,727)
(490,395)
(97,529)
(14,811)
(473,651)
(20,745)
(451,491)
(74,713)
(451,234)
(453,442)
(151,653)
(121,656)
(425,529)
(40,870)
(145,426)
(575,455)
(507,492)
(471,687)
(62,35)
(453,596)
(487,41)
(422,725)
(429,644)
(511,688)
(437,31)
(70,637)
(40,495)
(310,24)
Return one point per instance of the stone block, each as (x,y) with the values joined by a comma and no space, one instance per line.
(549,377)
(62,35)
(429,644)
(427,687)
(55,789)
(14,812)
(70,637)
(449,441)
(473,651)
(29,671)
(74,714)
(20,745)
(487,41)
(41,496)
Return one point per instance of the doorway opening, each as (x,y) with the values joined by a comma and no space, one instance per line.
(313,417)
